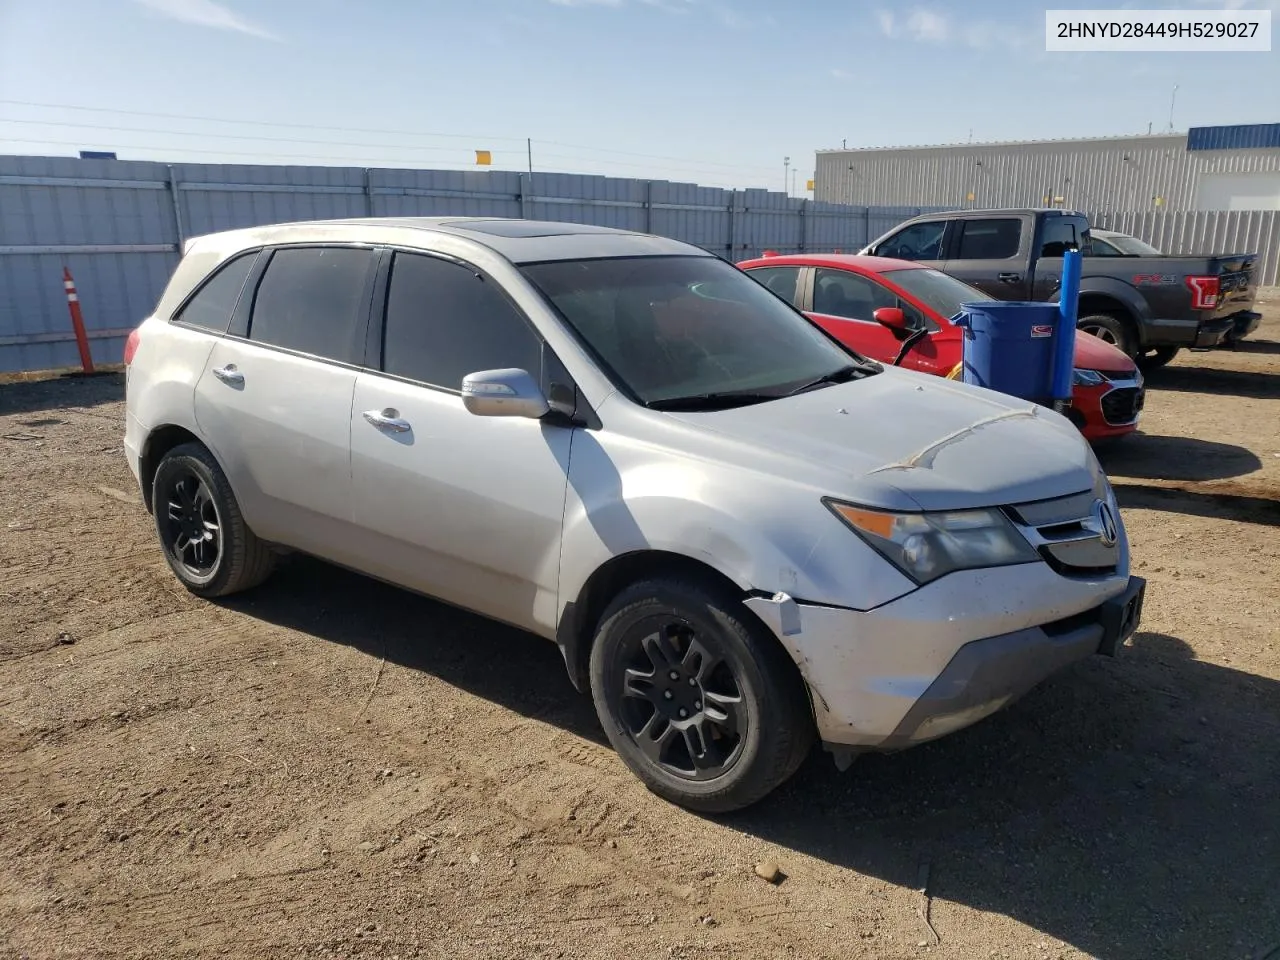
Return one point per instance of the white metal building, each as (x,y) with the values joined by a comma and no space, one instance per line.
(1207,168)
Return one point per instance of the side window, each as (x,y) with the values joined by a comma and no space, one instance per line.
(444,322)
(989,239)
(215,302)
(920,241)
(781,280)
(312,299)
(840,294)
(1058,237)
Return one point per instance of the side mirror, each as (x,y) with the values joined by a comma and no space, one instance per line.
(893,318)
(504,393)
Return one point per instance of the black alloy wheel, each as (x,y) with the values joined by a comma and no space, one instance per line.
(680,700)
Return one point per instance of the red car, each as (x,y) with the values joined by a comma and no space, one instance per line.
(871,304)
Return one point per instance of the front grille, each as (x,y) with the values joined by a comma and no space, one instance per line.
(1065,534)
(1123,405)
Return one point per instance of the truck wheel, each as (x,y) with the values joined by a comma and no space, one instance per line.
(205,539)
(1157,357)
(701,703)
(1110,329)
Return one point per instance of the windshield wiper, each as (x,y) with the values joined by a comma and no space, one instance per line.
(839,375)
(711,401)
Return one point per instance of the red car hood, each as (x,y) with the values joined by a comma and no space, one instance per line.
(1095,354)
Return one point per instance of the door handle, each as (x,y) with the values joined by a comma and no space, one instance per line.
(1009,277)
(229,374)
(388,420)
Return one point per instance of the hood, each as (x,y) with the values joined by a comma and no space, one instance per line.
(905,441)
(1094,354)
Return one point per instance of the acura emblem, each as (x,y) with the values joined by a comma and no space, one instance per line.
(1104,523)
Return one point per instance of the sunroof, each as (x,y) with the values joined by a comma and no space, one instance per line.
(525,228)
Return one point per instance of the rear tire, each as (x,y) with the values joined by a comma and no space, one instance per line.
(1157,357)
(1111,329)
(209,547)
(699,700)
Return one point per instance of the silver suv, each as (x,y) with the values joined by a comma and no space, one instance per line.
(740,535)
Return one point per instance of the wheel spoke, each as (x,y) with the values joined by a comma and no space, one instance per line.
(725,712)
(654,737)
(638,684)
(212,528)
(661,651)
(699,661)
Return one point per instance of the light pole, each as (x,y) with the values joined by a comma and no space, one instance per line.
(786,173)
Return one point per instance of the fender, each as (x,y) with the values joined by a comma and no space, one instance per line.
(1119,291)
(625,498)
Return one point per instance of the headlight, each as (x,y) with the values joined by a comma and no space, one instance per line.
(1087,378)
(926,546)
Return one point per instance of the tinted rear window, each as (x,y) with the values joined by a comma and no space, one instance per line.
(313,300)
(989,239)
(215,302)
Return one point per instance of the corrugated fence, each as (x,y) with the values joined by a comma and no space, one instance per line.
(118,225)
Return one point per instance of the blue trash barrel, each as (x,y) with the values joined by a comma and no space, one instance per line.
(1008,346)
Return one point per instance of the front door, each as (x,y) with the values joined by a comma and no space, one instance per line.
(464,508)
(844,304)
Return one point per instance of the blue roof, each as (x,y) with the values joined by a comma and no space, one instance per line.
(1247,136)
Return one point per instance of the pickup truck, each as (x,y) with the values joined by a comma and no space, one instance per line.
(1148,306)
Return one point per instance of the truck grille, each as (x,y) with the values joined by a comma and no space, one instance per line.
(1067,533)
(1122,405)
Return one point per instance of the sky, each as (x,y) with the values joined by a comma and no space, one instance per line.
(718,92)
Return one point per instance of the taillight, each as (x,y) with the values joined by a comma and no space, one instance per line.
(1204,292)
(131,345)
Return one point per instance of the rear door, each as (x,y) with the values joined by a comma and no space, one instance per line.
(464,508)
(785,281)
(992,254)
(274,400)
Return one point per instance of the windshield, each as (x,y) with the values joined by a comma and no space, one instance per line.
(1125,246)
(938,291)
(689,328)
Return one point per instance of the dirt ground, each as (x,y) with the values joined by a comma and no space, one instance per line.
(330,767)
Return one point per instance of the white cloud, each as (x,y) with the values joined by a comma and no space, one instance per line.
(838,74)
(928,26)
(207,13)
(924,25)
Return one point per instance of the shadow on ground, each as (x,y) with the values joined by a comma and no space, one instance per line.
(1226,502)
(1129,807)
(71,390)
(1239,383)
(1143,456)
(1256,346)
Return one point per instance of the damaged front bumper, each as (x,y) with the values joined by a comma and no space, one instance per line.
(949,654)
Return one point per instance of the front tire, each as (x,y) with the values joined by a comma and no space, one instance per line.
(209,547)
(700,701)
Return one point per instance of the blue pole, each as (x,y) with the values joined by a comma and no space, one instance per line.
(1064,347)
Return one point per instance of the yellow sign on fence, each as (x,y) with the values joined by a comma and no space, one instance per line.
(483,158)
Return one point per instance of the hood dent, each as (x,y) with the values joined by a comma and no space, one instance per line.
(924,458)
